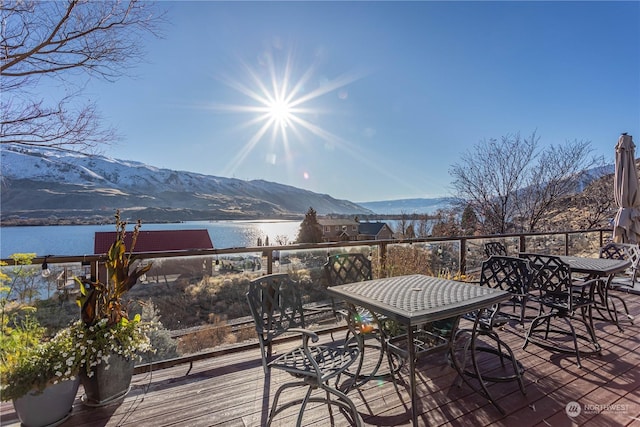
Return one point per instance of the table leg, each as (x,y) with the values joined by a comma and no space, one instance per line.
(412,376)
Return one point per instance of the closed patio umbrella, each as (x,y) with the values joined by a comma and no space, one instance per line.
(626,226)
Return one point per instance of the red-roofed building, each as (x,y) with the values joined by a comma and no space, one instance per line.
(156,241)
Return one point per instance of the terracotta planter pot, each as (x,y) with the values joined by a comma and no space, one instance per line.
(107,386)
(49,408)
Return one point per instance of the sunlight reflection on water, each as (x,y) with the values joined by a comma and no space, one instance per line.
(78,239)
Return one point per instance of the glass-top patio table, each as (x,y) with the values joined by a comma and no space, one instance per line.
(413,300)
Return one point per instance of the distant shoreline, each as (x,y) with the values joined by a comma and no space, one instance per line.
(52,219)
(13,220)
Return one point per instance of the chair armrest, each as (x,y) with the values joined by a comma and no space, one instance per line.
(306,334)
(589,285)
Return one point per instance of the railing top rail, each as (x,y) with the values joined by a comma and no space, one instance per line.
(299,246)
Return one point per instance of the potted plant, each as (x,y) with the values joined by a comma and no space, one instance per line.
(39,375)
(111,341)
(43,381)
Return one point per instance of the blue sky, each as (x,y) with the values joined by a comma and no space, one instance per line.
(385,96)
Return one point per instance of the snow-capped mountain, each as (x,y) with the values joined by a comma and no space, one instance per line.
(45,182)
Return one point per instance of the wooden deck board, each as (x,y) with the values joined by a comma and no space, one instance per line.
(230,390)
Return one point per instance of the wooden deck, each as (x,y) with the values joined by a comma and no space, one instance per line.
(231,390)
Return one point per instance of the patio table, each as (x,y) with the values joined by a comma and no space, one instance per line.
(416,299)
(596,267)
(603,268)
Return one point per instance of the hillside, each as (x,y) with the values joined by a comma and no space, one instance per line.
(41,185)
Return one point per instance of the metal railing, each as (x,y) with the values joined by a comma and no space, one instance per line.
(216,279)
(523,245)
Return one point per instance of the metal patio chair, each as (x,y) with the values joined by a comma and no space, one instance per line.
(341,269)
(276,307)
(566,299)
(494,248)
(513,275)
(624,251)
(344,268)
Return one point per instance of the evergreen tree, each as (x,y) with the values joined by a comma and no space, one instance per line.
(310,229)
(469,220)
(447,224)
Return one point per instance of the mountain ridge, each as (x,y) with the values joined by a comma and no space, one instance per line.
(46,186)
(41,185)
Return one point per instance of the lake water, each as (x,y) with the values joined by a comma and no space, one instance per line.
(78,239)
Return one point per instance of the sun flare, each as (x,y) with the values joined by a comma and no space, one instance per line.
(280,112)
(282,105)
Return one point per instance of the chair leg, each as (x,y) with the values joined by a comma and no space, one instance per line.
(592,330)
(346,403)
(501,350)
(500,344)
(624,306)
(343,402)
(607,303)
(476,368)
(274,406)
(361,346)
(575,340)
(517,368)
(465,350)
(546,334)
(587,320)
(303,406)
(358,377)
(392,368)
(534,323)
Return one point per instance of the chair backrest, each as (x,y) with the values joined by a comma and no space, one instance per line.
(633,255)
(347,268)
(632,249)
(613,251)
(628,251)
(507,273)
(551,274)
(494,248)
(276,307)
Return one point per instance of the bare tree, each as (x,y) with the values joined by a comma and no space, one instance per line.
(556,174)
(488,177)
(65,40)
(423,226)
(404,223)
(597,203)
(512,184)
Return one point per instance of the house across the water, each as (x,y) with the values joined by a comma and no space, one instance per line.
(340,230)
